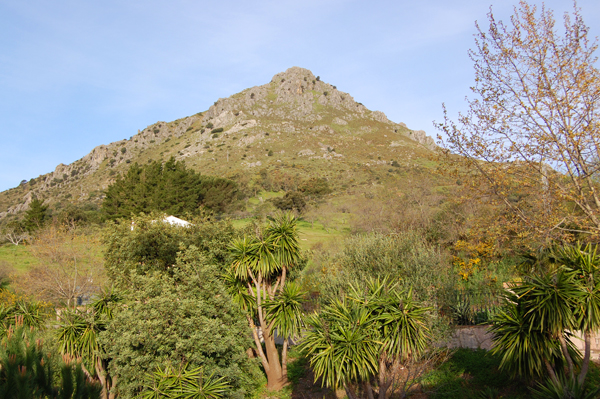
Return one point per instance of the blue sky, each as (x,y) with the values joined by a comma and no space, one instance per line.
(77,74)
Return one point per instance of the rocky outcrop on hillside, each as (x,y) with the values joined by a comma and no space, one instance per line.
(297,95)
(295,102)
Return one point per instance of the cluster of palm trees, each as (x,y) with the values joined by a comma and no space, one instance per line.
(358,342)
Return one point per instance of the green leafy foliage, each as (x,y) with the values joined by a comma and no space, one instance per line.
(170,188)
(183,384)
(180,315)
(405,257)
(149,244)
(315,187)
(292,200)
(365,334)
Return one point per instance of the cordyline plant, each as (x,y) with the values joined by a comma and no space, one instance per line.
(257,282)
(534,332)
(184,383)
(77,336)
(529,142)
(367,341)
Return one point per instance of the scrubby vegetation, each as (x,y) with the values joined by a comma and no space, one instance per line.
(295,279)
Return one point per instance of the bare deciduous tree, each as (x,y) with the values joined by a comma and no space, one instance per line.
(69,268)
(15,233)
(530,139)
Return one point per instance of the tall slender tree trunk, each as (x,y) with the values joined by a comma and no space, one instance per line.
(565,350)
(585,364)
(551,371)
(284,355)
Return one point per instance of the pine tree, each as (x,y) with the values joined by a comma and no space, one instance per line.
(36,216)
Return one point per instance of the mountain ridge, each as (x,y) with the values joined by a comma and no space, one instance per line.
(295,111)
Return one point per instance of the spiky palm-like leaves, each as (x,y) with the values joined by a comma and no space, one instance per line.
(564,388)
(257,282)
(361,336)
(532,334)
(32,314)
(78,333)
(284,312)
(182,384)
(26,370)
(342,345)
(526,350)
(400,320)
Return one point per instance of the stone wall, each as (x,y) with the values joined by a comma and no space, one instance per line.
(477,337)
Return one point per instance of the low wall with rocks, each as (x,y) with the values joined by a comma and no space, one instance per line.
(477,337)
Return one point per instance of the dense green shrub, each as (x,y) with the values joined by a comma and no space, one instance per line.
(182,317)
(406,257)
(292,200)
(217,130)
(315,187)
(170,188)
(149,245)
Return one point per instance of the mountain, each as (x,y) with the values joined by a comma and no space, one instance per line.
(294,127)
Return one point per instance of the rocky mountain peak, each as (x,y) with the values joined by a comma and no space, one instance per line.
(281,120)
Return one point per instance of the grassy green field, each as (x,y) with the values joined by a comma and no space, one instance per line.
(310,234)
(17,257)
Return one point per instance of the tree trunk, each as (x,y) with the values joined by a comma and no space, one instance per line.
(113,383)
(369,390)
(275,378)
(384,384)
(349,392)
(585,364)
(103,378)
(284,354)
(563,345)
(551,371)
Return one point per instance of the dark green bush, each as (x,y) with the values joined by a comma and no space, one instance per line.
(293,200)
(217,130)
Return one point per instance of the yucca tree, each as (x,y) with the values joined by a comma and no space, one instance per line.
(257,282)
(533,333)
(365,337)
(527,351)
(585,263)
(78,337)
(342,346)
